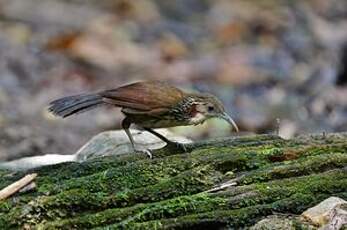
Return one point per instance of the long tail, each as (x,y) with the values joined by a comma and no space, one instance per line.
(67,106)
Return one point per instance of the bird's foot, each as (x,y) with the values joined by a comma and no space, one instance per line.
(148,152)
(176,146)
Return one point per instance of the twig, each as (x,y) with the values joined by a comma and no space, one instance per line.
(223,186)
(16,186)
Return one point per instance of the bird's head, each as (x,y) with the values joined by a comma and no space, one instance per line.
(209,106)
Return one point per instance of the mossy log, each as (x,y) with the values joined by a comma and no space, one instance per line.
(173,190)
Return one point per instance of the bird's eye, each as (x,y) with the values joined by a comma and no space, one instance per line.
(210,108)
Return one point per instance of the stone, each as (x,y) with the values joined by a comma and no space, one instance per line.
(275,222)
(338,218)
(109,143)
(113,143)
(322,213)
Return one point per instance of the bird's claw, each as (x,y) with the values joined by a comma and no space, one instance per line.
(147,152)
(177,146)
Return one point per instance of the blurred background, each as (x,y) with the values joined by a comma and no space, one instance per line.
(277,65)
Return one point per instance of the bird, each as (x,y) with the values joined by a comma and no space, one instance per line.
(148,105)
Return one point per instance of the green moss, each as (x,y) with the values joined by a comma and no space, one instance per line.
(299,167)
(234,219)
(333,181)
(131,191)
(165,209)
(78,200)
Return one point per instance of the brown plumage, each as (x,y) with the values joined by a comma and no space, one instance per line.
(144,96)
(149,105)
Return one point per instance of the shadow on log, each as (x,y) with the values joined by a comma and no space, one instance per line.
(268,175)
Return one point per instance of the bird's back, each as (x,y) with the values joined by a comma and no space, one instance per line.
(144,96)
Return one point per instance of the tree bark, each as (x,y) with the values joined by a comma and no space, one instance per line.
(231,182)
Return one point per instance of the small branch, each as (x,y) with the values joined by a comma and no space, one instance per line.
(16,186)
(223,186)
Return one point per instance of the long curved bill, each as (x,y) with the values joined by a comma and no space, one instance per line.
(226,117)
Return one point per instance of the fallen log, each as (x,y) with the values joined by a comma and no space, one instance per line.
(230,182)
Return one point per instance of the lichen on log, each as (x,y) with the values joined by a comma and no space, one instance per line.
(272,175)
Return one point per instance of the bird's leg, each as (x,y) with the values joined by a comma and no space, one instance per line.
(126,125)
(171,144)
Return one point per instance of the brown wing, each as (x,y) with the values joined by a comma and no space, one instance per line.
(144,96)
